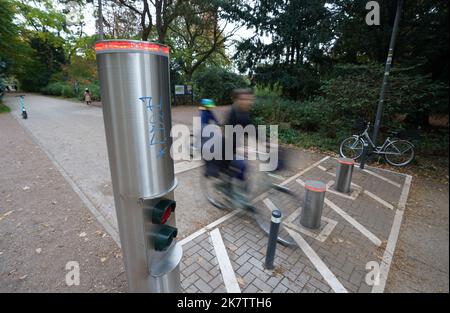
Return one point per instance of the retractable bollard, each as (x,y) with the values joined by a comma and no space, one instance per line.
(273,236)
(344,175)
(313,204)
(135,91)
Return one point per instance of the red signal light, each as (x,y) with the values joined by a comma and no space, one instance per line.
(103,46)
(162,211)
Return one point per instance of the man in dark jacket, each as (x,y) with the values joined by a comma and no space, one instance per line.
(239,114)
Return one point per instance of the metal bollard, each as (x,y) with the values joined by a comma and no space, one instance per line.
(313,204)
(273,236)
(364,155)
(344,175)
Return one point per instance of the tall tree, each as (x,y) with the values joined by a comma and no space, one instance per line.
(293,38)
(423,34)
(198,37)
(158,14)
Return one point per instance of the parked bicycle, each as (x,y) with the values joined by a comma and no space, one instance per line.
(396,151)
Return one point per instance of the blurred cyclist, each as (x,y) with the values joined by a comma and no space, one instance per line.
(243,99)
(206,117)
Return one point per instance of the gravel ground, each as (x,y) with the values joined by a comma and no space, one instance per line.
(44,225)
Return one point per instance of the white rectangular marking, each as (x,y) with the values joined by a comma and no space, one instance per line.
(321,267)
(320,167)
(229,278)
(209,227)
(270,204)
(322,236)
(350,219)
(393,237)
(354,222)
(287,181)
(382,178)
(376,198)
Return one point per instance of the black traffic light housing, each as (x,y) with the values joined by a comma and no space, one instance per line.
(162,211)
(162,238)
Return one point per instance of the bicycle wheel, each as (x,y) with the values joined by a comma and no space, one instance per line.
(399,153)
(351,148)
(216,189)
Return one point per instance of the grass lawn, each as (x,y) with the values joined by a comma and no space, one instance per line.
(4,108)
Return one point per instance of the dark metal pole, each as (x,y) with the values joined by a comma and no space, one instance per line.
(273,236)
(386,72)
(364,156)
(100,20)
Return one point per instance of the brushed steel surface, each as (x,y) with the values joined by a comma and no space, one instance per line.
(135,91)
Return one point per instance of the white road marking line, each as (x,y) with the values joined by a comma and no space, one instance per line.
(376,198)
(294,224)
(357,167)
(270,204)
(320,167)
(261,196)
(184,166)
(287,181)
(321,267)
(382,178)
(350,219)
(393,237)
(228,275)
(354,222)
(209,227)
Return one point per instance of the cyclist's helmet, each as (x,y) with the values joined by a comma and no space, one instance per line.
(208,103)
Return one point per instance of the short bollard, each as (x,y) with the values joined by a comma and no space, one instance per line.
(273,236)
(344,175)
(313,204)
(364,156)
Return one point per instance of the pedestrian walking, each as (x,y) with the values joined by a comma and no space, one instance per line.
(87,96)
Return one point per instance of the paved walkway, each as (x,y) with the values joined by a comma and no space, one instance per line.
(73,136)
(355,230)
(358,230)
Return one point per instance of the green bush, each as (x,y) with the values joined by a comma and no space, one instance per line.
(67,90)
(305,116)
(94,88)
(54,89)
(350,93)
(217,83)
(4,108)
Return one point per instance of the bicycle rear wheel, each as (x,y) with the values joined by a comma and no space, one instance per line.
(216,187)
(399,153)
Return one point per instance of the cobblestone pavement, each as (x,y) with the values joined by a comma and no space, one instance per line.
(333,258)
